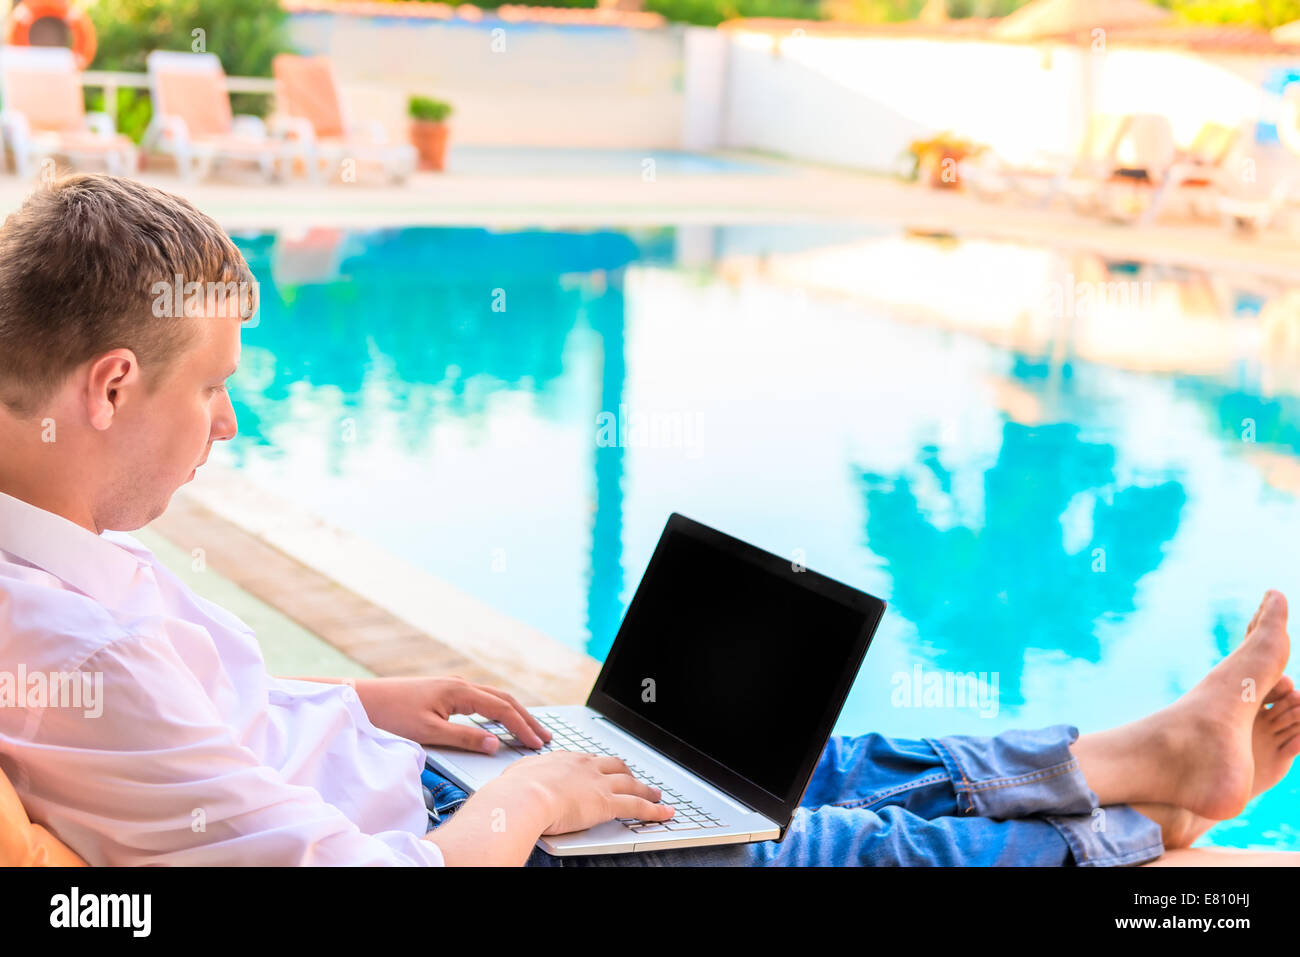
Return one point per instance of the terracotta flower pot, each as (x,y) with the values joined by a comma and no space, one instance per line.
(939,168)
(430,142)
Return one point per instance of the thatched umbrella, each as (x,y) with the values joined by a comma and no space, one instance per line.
(1054,18)
(1078,21)
(1288,32)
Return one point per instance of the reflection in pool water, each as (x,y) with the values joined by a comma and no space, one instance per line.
(1010,562)
(1031,505)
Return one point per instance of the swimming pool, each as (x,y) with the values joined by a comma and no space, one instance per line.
(519,411)
(560,161)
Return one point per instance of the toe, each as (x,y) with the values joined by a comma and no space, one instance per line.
(1283,687)
(1286,715)
(1272,609)
(1284,704)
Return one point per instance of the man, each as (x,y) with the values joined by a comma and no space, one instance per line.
(120,316)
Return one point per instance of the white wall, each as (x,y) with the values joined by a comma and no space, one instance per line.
(850,101)
(859,101)
(705,56)
(530,84)
(1189,90)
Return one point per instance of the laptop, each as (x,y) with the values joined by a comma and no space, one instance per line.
(722,686)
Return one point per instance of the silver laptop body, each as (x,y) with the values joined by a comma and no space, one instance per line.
(703,814)
(709,609)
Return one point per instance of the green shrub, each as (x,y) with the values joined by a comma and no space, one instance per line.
(245,34)
(1259,13)
(427,108)
(709,13)
(493,4)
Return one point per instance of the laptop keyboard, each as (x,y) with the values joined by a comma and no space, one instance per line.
(565,737)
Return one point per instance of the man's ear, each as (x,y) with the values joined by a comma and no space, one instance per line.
(110,375)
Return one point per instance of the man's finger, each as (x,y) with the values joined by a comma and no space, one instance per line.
(453,734)
(612,765)
(533,723)
(498,709)
(625,805)
(627,784)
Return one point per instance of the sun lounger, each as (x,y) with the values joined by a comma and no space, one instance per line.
(44,114)
(1122,155)
(194,124)
(310,110)
(1143,156)
(1201,168)
(1260,212)
(993,177)
(1047,176)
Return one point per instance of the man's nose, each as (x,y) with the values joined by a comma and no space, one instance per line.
(225,426)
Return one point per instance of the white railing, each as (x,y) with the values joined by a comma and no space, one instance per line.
(110,81)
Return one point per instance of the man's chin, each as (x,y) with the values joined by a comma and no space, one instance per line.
(137,513)
(157,510)
(140,516)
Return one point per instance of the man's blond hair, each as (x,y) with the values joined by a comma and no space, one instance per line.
(80,265)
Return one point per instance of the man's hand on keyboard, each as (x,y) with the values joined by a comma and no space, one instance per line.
(582,790)
(420,709)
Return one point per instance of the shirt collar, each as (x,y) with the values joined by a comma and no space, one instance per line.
(88,562)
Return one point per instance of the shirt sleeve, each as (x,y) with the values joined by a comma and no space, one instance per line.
(158,778)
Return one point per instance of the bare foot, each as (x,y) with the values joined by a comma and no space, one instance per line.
(1275,738)
(1198,754)
(1275,743)
(1179,827)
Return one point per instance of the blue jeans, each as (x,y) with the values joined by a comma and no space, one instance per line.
(1017,798)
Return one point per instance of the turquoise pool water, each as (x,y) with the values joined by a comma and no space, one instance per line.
(556,161)
(1089,537)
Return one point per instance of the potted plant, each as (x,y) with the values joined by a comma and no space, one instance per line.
(936,160)
(429,130)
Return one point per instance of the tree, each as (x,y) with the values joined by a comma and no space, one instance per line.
(245,34)
(1258,13)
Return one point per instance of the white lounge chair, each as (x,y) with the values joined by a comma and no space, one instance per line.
(1048,177)
(1200,170)
(310,109)
(1260,212)
(44,114)
(193,122)
(1143,157)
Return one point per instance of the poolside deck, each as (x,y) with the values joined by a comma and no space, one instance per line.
(791,193)
(391,619)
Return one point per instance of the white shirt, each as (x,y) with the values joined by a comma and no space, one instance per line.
(191,753)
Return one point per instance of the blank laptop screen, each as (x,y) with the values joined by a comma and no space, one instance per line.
(735,659)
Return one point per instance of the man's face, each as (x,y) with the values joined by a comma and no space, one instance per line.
(167,433)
